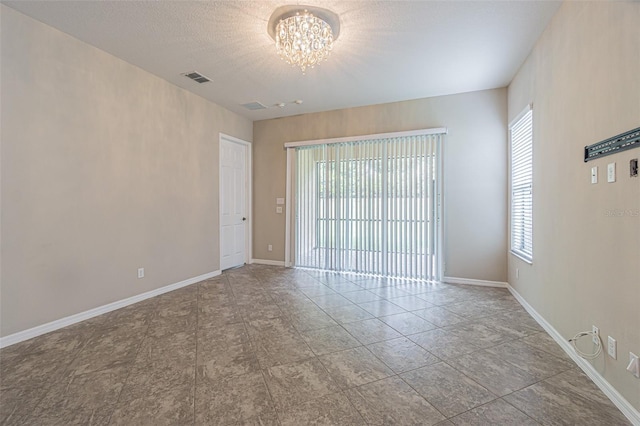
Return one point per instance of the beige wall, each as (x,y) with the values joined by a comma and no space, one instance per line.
(584,81)
(474,171)
(105,168)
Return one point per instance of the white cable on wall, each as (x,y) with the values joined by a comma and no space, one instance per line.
(584,355)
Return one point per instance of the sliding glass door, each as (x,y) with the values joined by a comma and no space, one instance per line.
(369,206)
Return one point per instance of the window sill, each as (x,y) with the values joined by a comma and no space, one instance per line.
(521,257)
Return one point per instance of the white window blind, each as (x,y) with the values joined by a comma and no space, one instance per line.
(521,137)
(369,206)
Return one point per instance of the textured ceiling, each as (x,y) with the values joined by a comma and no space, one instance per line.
(387,50)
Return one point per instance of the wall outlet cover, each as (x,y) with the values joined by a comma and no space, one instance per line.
(611,172)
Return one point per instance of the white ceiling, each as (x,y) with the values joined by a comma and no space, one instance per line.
(387,50)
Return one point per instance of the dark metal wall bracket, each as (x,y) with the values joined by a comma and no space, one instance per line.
(622,142)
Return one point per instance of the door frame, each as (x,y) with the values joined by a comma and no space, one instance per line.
(439,208)
(248,239)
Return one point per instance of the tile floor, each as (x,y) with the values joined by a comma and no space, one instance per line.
(267,345)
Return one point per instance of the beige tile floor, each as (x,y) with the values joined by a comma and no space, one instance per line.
(268,345)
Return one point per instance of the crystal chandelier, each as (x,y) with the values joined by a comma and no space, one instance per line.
(304,35)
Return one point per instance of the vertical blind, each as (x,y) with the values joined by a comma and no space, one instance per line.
(521,135)
(369,206)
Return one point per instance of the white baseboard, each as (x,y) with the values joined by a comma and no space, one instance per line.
(268,262)
(469,281)
(623,405)
(72,319)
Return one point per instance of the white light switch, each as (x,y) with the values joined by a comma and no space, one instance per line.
(611,172)
(612,348)
(594,174)
(634,365)
(280,201)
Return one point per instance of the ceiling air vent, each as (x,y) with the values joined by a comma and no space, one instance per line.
(252,106)
(196,76)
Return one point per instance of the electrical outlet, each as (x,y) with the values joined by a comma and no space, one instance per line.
(594,174)
(596,335)
(270,247)
(612,348)
(140,272)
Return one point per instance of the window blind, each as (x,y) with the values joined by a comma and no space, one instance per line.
(368,206)
(521,135)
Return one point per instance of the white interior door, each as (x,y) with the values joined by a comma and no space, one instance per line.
(233,203)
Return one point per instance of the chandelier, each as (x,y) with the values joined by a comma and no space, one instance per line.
(304,35)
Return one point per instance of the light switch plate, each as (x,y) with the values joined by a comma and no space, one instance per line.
(611,172)
(279,200)
(612,348)
(594,174)
(633,365)
(278,209)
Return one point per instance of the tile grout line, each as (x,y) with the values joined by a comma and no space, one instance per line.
(493,401)
(129,370)
(438,327)
(342,325)
(424,398)
(262,371)
(439,360)
(499,396)
(63,373)
(195,368)
(269,285)
(316,357)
